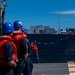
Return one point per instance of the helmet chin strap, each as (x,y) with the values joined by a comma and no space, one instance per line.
(11,34)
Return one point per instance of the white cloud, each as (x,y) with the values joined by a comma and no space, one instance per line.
(72,12)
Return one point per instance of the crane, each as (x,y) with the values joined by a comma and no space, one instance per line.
(2,12)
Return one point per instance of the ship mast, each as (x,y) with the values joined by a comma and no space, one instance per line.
(59,17)
(2,12)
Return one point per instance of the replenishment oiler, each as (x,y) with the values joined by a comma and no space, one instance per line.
(54,47)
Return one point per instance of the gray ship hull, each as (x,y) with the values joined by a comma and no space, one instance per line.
(53,47)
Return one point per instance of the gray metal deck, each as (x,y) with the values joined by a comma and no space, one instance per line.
(50,69)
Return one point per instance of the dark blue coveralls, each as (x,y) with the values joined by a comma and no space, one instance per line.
(7,70)
(21,63)
(29,66)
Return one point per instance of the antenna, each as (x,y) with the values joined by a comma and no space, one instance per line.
(59,17)
(2,12)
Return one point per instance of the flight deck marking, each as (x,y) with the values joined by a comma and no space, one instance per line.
(38,73)
(71,67)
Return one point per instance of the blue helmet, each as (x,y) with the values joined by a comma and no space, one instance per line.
(17,24)
(7,27)
(24,29)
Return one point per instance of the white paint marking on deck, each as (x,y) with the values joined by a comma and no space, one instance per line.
(72,73)
(71,67)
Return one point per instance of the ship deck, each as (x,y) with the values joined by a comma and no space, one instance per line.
(54,68)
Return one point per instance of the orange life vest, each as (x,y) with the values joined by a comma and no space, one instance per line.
(17,35)
(3,41)
(25,36)
(34,47)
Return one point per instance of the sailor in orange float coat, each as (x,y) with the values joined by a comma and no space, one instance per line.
(8,52)
(29,66)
